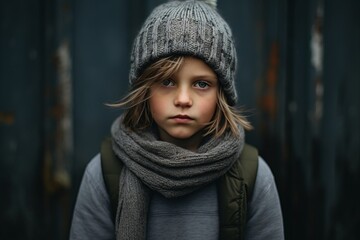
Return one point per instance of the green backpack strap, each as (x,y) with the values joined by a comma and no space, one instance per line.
(250,161)
(234,192)
(111,169)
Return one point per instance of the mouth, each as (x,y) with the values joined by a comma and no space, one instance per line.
(182,118)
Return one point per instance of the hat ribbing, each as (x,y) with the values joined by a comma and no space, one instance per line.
(191,28)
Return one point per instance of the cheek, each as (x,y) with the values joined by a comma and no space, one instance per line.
(207,109)
(157,105)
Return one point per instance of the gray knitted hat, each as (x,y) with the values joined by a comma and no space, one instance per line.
(191,28)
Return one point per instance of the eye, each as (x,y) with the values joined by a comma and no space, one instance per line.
(201,84)
(167,83)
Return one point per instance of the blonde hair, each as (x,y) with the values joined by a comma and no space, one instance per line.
(137,114)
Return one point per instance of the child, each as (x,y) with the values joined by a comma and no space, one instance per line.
(179,134)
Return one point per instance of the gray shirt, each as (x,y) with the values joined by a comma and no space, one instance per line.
(190,217)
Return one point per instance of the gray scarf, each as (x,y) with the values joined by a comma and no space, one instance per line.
(153,165)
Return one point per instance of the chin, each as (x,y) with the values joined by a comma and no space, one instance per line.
(181,136)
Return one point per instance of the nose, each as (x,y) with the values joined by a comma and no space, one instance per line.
(183,98)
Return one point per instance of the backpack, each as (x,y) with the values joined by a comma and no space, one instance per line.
(234,188)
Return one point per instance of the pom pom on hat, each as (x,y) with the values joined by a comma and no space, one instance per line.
(212,3)
(192,28)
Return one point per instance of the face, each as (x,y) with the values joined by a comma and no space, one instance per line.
(183,105)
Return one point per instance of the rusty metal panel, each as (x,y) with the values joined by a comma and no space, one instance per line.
(340,165)
(20,119)
(100,73)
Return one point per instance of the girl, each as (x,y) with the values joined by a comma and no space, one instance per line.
(179,134)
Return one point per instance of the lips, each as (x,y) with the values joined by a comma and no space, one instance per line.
(181,118)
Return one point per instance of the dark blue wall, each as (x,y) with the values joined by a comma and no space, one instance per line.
(62,60)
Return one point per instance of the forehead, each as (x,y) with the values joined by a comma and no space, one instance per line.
(195,66)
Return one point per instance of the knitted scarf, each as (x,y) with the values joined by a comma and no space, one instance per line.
(154,165)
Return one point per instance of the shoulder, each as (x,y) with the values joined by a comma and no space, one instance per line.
(94,165)
(92,216)
(265,185)
(93,181)
(264,220)
(264,176)
(93,172)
